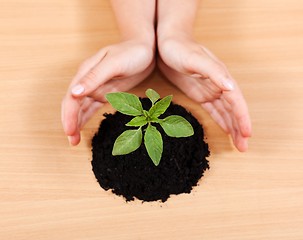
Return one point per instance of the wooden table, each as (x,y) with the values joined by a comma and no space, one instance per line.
(47,188)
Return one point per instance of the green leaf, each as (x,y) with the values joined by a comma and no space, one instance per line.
(138,121)
(127,142)
(160,107)
(176,126)
(145,113)
(125,103)
(152,95)
(154,144)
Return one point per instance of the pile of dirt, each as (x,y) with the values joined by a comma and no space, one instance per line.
(134,175)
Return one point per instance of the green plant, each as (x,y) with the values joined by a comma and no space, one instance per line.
(130,140)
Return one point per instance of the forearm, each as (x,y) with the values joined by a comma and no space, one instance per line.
(176,17)
(136,19)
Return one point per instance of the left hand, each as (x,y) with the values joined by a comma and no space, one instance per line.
(205,79)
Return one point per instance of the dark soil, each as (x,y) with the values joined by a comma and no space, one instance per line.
(134,175)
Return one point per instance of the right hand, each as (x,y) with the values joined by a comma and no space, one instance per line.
(114,68)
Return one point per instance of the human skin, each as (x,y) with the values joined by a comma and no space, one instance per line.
(198,72)
(114,68)
(187,64)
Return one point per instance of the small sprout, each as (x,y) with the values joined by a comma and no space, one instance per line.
(131,140)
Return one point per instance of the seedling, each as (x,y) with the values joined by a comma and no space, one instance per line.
(130,140)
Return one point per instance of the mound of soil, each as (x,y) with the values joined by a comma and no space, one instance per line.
(134,175)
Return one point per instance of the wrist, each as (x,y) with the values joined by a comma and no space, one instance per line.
(173,29)
(136,19)
(173,34)
(144,37)
(165,38)
(176,19)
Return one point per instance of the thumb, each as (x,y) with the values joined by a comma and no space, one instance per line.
(214,70)
(94,78)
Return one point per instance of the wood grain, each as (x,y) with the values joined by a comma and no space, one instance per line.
(47,188)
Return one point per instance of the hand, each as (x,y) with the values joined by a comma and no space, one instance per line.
(205,79)
(114,68)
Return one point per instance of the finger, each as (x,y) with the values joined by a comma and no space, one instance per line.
(239,137)
(108,68)
(74,139)
(215,58)
(228,123)
(216,116)
(189,85)
(210,90)
(91,104)
(96,76)
(88,113)
(237,105)
(76,112)
(120,85)
(70,106)
(87,65)
(69,114)
(85,104)
(209,68)
(82,118)
(225,114)
(208,84)
(242,144)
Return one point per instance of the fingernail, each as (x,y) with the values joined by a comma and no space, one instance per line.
(196,75)
(228,85)
(78,89)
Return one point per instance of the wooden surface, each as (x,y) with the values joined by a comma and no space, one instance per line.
(47,188)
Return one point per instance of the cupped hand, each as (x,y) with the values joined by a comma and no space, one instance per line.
(114,68)
(205,79)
